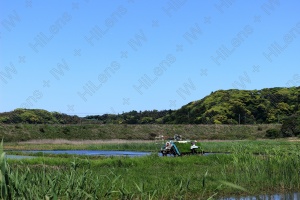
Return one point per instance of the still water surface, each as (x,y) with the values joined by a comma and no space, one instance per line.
(287,196)
(90,152)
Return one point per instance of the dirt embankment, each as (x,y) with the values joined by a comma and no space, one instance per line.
(116,141)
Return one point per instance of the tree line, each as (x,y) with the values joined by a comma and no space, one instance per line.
(269,105)
(37,116)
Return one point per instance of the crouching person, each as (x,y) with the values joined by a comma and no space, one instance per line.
(166,149)
(194,148)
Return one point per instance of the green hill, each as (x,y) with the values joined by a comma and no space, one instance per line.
(37,116)
(269,105)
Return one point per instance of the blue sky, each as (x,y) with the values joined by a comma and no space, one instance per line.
(90,57)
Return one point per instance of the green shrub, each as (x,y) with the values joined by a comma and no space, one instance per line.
(42,129)
(66,130)
(17,126)
(273,133)
(291,126)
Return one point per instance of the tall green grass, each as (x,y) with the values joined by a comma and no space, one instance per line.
(272,170)
(4,179)
(152,177)
(149,147)
(254,146)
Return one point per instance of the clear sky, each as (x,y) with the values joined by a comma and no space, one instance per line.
(85,57)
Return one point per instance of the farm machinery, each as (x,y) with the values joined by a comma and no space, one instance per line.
(179,147)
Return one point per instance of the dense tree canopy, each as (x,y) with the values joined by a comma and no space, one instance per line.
(37,116)
(269,105)
(291,126)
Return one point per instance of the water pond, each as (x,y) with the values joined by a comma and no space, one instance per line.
(87,153)
(287,196)
(84,152)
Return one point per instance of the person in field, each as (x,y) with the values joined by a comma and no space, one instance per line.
(166,149)
(194,148)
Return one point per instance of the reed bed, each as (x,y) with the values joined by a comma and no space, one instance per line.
(250,169)
(145,146)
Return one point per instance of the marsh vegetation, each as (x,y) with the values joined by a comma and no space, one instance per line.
(251,168)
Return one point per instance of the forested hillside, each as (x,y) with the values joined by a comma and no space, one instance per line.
(37,116)
(270,105)
(241,107)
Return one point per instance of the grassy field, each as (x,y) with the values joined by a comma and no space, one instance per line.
(252,165)
(221,146)
(251,168)
(25,132)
